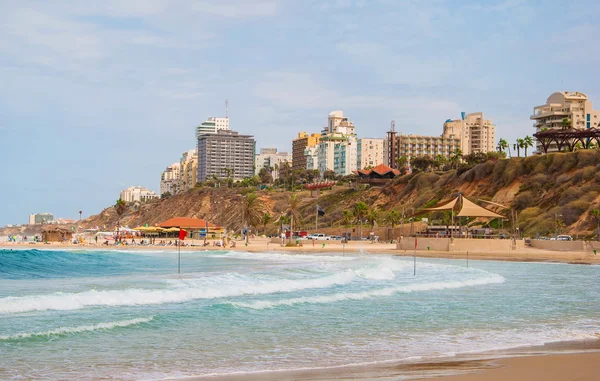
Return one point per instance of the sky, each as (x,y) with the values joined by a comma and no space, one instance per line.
(101,95)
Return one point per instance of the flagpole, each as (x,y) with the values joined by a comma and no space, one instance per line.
(179,258)
(317,219)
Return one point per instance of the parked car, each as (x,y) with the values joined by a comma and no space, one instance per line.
(564,237)
(318,237)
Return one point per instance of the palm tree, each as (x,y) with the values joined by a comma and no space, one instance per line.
(456,156)
(347,219)
(252,210)
(392,219)
(120,207)
(520,144)
(372,216)
(566,123)
(527,142)
(294,211)
(266,218)
(440,161)
(359,211)
(502,145)
(401,161)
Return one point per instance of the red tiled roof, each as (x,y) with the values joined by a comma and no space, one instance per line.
(381,170)
(184,222)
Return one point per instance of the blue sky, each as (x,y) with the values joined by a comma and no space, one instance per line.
(98,96)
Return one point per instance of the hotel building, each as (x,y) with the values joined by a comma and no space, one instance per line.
(573,106)
(225,151)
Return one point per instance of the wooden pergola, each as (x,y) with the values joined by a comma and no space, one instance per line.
(567,139)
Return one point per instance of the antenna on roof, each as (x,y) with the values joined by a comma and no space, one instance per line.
(393,126)
(226,108)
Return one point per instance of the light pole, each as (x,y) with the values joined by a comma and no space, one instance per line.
(556,225)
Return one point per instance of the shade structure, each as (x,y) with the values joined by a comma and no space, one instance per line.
(447,206)
(470,209)
(171,230)
(189,223)
(149,229)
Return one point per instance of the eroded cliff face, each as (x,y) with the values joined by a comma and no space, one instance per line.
(558,189)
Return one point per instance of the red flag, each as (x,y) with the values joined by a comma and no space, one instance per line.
(182,234)
(415,243)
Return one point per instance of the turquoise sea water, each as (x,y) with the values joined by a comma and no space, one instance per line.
(95,315)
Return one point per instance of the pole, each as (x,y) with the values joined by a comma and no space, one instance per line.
(179,258)
(467,258)
(415,262)
(317,219)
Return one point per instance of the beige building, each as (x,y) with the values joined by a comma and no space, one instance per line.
(299,145)
(188,169)
(270,158)
(412,146)
(137,194)
(337,148)
(476,133)
(369,153)
(573,106)
(212,125)
(170,181)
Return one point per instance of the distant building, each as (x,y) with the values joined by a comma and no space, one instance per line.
(212,125)
(299,145)
(137,194)
(337,148)
(270,158)
(475,133)
(411,146)
(170,181)
(40,218)
(369,153)
(572,106)
(188,165)
(312,157)
(225,154)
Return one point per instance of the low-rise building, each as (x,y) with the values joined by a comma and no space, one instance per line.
(270,159)
(40,218)
(137,194)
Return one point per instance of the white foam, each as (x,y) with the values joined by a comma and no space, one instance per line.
(388,291)
(81,328)
(182,293)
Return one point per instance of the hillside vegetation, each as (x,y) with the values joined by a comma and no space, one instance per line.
(554,193)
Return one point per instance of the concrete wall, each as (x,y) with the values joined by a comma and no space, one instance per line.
(558,245)
(459,244)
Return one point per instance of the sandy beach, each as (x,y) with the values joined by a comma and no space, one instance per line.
(263,245)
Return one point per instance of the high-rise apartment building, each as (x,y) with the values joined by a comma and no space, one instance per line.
(137,194)
(573,107)
(312,158)
(225,154)
(270,158)
(369,152)
(337,148)
(299,144)
(170,181)
(475,133)
(212,125)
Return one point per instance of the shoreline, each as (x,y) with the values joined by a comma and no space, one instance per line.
(261,245)
(557,361)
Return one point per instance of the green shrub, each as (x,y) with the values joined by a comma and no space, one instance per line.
(523,200)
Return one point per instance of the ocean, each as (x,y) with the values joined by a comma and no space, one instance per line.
(110,315)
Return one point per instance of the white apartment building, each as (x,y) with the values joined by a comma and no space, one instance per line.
(337,148)
(212,125)
(476,133)
(574,107)
(312,157)
(188,165)
(369,152)
(137,194)
(269,158)
(170,179)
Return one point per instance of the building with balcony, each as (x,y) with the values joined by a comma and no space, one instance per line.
(564,110)
(312,158)
(40,218)
(369,153)
(137,194)
(299,144)
(212,125)
(411,146)
(170,181)
(338,148)
(226,154)
(269,158)
(476,133)
(189,169)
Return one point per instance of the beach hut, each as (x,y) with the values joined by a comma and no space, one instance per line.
(56,233)
(196,227)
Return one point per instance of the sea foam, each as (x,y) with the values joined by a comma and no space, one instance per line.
(82,328)
(382,292)
(178,294)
